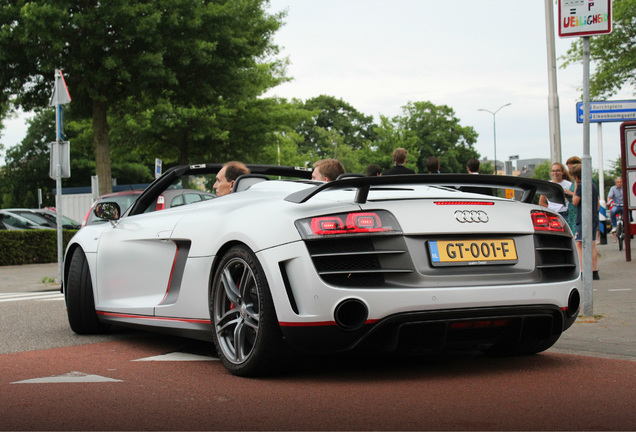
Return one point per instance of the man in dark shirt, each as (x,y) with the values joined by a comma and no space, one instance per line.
(432,165)
(399,159)
(472,166)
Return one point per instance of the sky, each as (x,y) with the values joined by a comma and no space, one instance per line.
(378,55)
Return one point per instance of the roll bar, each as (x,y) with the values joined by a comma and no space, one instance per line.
(530,187)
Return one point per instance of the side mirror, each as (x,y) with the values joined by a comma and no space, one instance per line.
(107,210)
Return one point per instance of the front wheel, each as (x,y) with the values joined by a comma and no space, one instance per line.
(245,328)
(80,302)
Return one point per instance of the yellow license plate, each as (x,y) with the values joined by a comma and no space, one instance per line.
(472,252)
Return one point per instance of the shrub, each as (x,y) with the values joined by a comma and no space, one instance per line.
(30,246)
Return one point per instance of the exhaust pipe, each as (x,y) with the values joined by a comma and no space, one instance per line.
(351,314)
(574,302)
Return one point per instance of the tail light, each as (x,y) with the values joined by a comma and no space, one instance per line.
(545,221)
(374,222)
(161,202)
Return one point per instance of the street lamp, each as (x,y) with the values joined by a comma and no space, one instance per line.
(494,129)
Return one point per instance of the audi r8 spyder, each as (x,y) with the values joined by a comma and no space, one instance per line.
(406,263)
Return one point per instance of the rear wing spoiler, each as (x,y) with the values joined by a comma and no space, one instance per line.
(529,187)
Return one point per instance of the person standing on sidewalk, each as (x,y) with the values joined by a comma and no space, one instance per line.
(577,201)
(561,176)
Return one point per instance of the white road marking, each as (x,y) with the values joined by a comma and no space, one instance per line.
(620,289)
(44,296)
(71,377)
(179,356)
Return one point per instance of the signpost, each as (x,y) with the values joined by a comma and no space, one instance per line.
(628,165)
(586,18)
(158,165)
(60,159)
(608,111)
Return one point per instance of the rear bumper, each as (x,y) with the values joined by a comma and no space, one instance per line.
(478,328)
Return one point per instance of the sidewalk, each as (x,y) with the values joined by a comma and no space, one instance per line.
(610,332)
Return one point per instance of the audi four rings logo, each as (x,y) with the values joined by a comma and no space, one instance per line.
(471,216)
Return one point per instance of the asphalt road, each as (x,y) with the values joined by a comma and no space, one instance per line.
(52,379)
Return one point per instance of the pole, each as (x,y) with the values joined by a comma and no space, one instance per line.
(586,192)
(58,181)
(601,172)
(494,128)
(494,138)
(553,97)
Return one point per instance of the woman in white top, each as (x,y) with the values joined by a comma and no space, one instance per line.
(561,176)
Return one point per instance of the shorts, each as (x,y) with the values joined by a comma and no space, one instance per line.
(578,236)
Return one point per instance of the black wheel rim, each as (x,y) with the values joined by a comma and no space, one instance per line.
(236,311)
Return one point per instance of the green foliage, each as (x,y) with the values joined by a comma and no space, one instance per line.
(426,130)
(31,246)
(542,171)
(27,166)
(614,54)
(615,170)
(333,128)
(187,67)
(486,168)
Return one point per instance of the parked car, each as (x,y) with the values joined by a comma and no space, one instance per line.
(12,221)
(178,197)
(46,217)
(403,263)
(169,198)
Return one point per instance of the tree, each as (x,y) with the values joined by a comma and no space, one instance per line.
(27,166)
(192,59)
(614,54)
(426,130)
(333,123)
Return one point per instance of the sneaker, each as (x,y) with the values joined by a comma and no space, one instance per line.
(595,275)
(613,230)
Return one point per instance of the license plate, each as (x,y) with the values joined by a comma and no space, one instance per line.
(472,252)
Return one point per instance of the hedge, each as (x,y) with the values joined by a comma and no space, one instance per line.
(30,246)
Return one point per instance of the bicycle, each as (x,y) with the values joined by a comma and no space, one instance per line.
(620,230)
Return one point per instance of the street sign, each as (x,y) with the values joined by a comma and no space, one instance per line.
(630,148)
(608,111)
(584,17)
(631,183)
(60,155)
(60,94)
(158,167)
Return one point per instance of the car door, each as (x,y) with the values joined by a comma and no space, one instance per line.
(134,262)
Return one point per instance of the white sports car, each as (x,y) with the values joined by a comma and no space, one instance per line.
(405,263)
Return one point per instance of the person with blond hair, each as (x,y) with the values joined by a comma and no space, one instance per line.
(560,175)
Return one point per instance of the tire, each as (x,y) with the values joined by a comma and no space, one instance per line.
(80,302)
(246,333)
(620,236)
